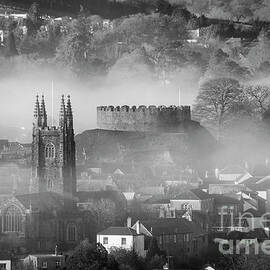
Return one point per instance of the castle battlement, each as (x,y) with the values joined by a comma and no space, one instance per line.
(151,108)
(143,118)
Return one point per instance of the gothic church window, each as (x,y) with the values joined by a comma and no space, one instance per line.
(13,220)
(49,151)
(71,233)
(49,185)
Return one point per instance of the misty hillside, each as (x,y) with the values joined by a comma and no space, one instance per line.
(124,149)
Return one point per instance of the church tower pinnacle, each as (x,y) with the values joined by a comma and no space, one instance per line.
(69,114)
(37,119)
(62,114)
(43,113)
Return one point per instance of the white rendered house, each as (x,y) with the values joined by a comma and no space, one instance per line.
(122,237)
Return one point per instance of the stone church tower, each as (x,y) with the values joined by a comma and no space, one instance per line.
(53,152)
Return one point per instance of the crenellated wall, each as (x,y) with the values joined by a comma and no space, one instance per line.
(142,118)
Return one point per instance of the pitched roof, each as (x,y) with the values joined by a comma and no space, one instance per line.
(233,169)
(223,199)
(157,200)
(47,256)
(264,179)
(45,201)
(172,226)
(253,212)
(118,231)
(116,196)
(118,171)
(193,194)
(155,190)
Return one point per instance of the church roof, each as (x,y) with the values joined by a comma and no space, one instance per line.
(45,201)
(85,196)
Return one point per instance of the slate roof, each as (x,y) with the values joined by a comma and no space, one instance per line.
(157,200)
(233,169)
(155,190)
(253,212)
(193,194)
(222,199)
(45,202)
(118,231)
(47,256)
(85,196)
(172,226)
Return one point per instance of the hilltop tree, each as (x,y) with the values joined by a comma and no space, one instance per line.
(33,19)
(216,103)
(75,48)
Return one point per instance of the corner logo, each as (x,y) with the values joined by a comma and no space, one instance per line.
(249,245)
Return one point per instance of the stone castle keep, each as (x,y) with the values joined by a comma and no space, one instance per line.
(142,118)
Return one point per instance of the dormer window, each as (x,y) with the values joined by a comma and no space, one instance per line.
(50,151)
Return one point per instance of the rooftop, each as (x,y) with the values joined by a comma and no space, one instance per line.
(193,194)
(233,169)
(45,201)
(118,231)
(46,255)
(172,226)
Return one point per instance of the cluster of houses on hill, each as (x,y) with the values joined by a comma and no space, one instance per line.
(232,201)
(185,222)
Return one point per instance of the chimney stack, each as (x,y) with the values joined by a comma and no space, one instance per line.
(138,227)
(129,222)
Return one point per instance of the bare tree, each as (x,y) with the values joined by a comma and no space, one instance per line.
(259,98)
(216,103)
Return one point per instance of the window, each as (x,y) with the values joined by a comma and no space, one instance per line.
(175,238)
(57,264)
(44,265)
(50,151)
(186,206)
(72,233)
(3,266)
(167,238)
(105,240)
(13,220)
(186,237)
(195,245)
(123,241)
(160,240)
(49,185)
